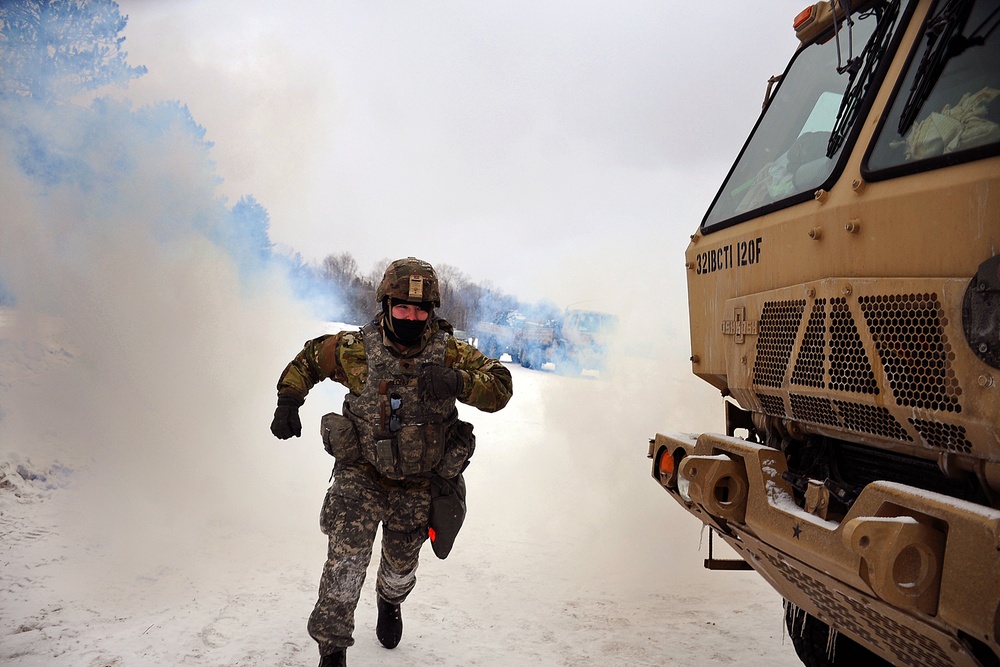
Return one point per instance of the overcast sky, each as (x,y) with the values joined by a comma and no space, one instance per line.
(559,150)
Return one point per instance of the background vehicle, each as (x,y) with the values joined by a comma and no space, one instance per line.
(578,340)
(494,339)
(844,292)
(575,341)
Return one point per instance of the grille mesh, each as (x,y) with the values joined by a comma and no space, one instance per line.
(773,405)
(908,332)
(943,436)
(779,324)
(813,409)
(871,419)
(809,363)
(855,416)
(850,369)
(857,616)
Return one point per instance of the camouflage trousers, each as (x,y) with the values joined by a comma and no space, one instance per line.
(357,502)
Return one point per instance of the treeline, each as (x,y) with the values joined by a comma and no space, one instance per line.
(463,301)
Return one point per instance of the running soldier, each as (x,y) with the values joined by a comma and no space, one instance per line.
(399,429)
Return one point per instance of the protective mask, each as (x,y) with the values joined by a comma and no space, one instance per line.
(404,332)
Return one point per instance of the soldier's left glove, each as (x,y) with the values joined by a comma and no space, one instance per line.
(438,382)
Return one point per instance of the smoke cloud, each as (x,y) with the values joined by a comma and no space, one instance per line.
(155,334)
(514,140)
(147,331)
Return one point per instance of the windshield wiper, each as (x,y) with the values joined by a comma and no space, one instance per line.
(944,41)
(861,71)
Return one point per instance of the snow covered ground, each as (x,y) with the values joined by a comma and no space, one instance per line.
(174,530)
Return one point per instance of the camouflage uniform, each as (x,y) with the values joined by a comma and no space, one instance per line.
(361,496)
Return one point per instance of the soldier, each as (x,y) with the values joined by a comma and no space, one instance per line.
(399,429)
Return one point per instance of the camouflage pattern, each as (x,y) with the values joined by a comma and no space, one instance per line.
(355,505)
(401,434)
(361,498)
(342,357)
(411,280)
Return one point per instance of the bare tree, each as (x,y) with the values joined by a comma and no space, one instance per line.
(341,269)
(454,286)
(463,301)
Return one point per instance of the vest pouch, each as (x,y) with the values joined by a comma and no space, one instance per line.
(420,447)
(385,458)
(459,447)
(340,439)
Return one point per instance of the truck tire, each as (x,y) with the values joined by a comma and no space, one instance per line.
(810,637)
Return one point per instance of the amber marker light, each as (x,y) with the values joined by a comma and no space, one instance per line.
(803,18)
(666,465)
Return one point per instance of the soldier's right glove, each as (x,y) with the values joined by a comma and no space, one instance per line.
(439,382)
(286,422)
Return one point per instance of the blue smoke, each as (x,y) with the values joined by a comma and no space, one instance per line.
(152,315)
(94,149)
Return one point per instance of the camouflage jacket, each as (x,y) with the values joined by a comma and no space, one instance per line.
(342,357)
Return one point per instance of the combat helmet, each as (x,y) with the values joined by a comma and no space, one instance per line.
(412,280)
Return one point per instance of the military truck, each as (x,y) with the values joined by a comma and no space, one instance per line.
(576,341)
(844,291)
(495,339)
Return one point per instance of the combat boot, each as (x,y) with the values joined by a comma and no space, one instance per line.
(335,659)
(389,628)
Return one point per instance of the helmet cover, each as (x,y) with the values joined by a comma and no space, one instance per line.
(411,280)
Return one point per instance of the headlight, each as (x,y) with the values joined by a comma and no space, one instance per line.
(684,487)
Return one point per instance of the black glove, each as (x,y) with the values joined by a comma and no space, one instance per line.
(286,421)
(439,382)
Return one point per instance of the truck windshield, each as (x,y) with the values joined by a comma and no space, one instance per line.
(801,134)
(594,322)
(947,109)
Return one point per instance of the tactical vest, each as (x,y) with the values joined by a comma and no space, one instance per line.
(400,433)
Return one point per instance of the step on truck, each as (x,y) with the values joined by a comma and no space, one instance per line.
(844,293)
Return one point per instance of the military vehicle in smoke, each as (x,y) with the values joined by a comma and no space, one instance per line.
(495,339)
(572,342)
(844,292)
(576,341)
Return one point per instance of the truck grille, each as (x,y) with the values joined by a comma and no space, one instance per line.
(878,364)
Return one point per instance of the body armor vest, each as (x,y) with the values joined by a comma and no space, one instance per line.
(399,433)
